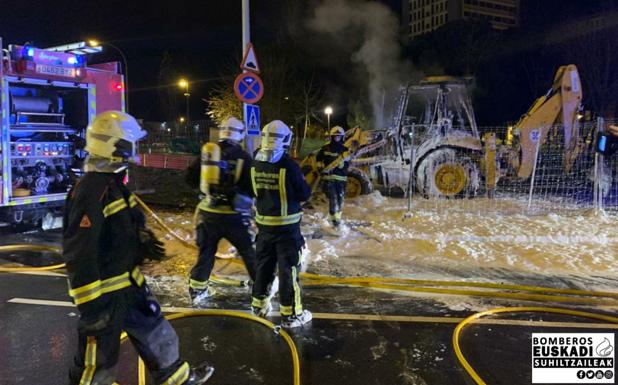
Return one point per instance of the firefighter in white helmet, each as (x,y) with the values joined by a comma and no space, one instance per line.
(333,160)
(104,241)
(279,187)
(225,211)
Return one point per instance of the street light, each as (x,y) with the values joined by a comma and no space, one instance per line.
(96,43)
(328,111)
(184,83)
(182,119)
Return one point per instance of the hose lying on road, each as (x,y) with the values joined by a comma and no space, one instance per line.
(496,290)
(29,247)
(229,313)
(213,277)
(456,334)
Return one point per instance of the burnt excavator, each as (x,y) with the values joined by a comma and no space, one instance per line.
(433,144)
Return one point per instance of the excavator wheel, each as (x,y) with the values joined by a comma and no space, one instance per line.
(446,173)
(358,184)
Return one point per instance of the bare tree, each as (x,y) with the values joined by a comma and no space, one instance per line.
(289,92)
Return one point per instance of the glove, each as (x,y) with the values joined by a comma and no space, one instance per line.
(150,246)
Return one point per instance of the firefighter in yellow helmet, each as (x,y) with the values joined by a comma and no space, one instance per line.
(104,241)
(279,188)
(333,160)
(225,211)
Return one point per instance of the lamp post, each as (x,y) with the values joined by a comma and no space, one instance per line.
(96,43)
(184,83)
(328,111)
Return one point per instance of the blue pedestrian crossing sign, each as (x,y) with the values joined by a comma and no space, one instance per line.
(252,119)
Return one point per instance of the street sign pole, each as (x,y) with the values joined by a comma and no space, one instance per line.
(246,38)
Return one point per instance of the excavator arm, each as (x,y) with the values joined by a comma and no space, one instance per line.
(561,104)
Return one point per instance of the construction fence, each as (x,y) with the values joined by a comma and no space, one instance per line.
(587,184)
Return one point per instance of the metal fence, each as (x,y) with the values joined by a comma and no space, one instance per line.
(588,183)
(175,137)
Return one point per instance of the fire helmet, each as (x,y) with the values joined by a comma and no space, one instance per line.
(232,129)
(276,136)
(337,131)
(113,135)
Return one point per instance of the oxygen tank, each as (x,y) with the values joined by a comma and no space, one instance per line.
(210,170)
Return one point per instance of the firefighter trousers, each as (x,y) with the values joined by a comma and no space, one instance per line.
(279,247)
(135,311)
(209,231)
(335,192)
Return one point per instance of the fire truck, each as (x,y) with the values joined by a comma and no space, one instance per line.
(47,98)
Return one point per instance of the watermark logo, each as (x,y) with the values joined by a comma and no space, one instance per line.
(573,358)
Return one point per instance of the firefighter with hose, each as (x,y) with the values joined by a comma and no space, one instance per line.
(333,161)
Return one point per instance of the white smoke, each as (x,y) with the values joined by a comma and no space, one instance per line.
(371,29)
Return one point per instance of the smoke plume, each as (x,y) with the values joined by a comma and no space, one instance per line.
(370,29)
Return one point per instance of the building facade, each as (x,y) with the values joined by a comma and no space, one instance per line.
(423,16)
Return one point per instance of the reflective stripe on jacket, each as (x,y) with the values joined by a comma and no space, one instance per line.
(100,239)
(279,189)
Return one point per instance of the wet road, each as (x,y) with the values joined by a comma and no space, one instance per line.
(358,336)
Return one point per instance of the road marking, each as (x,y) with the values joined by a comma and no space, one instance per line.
(368,317)
(44,302)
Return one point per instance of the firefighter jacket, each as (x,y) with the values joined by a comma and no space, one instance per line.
(101,241)
(234,180)
(336,159)
(279,189)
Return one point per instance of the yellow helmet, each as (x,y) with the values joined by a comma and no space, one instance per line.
(113,135)
(337,131)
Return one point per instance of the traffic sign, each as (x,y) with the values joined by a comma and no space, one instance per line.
(249,88)
(252,119)
(249,60)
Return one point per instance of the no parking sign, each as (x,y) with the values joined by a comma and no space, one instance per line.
(249,88)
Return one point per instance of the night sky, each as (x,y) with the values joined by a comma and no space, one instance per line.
(202,36)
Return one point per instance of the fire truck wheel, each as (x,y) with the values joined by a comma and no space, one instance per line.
(358,183)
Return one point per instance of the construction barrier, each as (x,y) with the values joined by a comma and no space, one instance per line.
(167,161)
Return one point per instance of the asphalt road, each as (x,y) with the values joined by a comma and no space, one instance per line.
(358,336)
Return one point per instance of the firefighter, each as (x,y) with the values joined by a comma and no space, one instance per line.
(333,160)
(104,241)
(225,212)
(279,188)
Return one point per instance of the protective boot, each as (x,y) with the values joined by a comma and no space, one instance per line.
(262,312)
(200,374)
(199,298)
(295,321)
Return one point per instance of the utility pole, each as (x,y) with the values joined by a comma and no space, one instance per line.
(246,39)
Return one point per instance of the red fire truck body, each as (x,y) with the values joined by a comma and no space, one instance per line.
(47,99)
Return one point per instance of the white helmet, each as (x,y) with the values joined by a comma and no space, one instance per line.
(337,131)
(232,129)
(276,135)
(276,138)
(113,135)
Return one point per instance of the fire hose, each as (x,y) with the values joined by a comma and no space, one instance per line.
(227,313)
(456,334)
(497,290)
(534,293)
